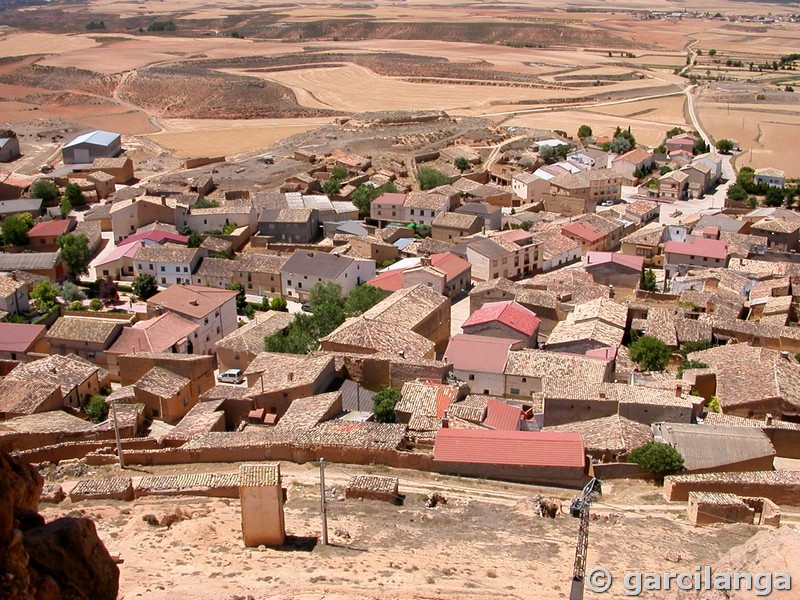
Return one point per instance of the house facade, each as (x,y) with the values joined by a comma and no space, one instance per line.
(169,264)
(304,269)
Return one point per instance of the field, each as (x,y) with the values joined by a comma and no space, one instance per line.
(253,75)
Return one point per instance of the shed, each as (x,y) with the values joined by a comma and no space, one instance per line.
(89,146)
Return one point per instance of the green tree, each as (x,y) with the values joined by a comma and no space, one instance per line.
(658,458)
(737,193)
(241,298)
(332,186)
(44,189)
(278,303)
(647,282)
(384,403)
(45,295)
(675,131)
(144,286)
(76,305)
(700,147)
(71,292)
(339,172)
(97,408)
(365,194)
(74,195)
(712,52)
(461,163)
(713,404)
(95,304)
(205,203)
(195,239)
(620,145)
(690,364)
(584,131)
(325,293)
(752,202)
(65,207)
(724,145)
(75,253)
(15,231)
(429,178)
(665,169)
(650,353)
(361,299)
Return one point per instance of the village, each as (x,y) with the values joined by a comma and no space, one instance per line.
(532,306)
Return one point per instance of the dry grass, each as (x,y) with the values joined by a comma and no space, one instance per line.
(25,44)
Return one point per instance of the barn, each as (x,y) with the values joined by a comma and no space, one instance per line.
(9,146)
(89,146)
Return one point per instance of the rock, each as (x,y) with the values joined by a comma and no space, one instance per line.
(69,551)
(52,494)
(24,481)
(434,499)
(150,520)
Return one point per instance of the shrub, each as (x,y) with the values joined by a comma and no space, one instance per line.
(97,408)
(15,231)
(660,459)
(74,195)
(429,178)
(70,292)
(144,285)
(278,303)
(384,403)
(95,304)
(76,305)
(44,189)
(461,163)
(45,294)
(650,353)
(713,404)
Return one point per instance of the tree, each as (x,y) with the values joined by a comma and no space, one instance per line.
(278,303)
(658,458)
(332,186)
(737,193)
(195,239)
(97,409)
(724,145)
(339,172)
(74,195)
(383,404)
(65,207)
(107,290)
(205,203)
(95,304)
(712,52)
(70,292)
(45,296)
(76,305)
(650,353)
(75,253)
(361,299)
(365,194)
(648,281)
(675,131)
(700,147)
(774,197)
(461,163)
(325,293)
(429,178)
(665,169)
(241,298)
(547,153)
(144,286)
(44,189)
(620,145)
(15,231)
(584,131)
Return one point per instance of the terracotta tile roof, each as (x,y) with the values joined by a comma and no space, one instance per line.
(286,215)
(194,301)
(566,332)
(478,353)
(572,285)
(583,231)
(260,474)
(518,448)
(718,419)
(380,336)
(161,382)
(426,200)
(389,198)
(426,398)
(158,334)
(68,371)
(776,225)
(348,434)
(250,337)
(649,235)
(55,421)
(52,228)
(408,306)
(18,337)
(84,329)
(614,434)
(304,413)
(472,408)
(456,220)
(553,244)
(215,244)
(9,286)
(285,371)
(168,253)
(502,416)
(566,389)
(201,418)
(770,172)
(557,365)
(25,396)
(255,262)
(508,313)
(601,309)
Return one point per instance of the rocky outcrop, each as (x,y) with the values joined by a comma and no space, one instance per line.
(61,560)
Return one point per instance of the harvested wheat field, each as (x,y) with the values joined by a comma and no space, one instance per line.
(25,44)
(199,137)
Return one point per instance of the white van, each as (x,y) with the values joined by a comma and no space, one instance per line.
(231,376)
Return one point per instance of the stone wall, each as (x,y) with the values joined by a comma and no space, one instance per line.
(782,487)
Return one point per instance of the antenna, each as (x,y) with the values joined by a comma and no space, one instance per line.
(579,508)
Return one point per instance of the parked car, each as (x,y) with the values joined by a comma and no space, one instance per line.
(306,307)
(607,203)
(231,376)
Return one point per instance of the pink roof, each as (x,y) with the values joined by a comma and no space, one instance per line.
(583,231)
(158,334)
(515,235)
(609,353)
(390,198)
(18,337)
(128,250)
(392,280)
(156,235)
(478,353)
(701,247)
(508,313)
(52,228)
(518,448)
(502,416)
(602,258)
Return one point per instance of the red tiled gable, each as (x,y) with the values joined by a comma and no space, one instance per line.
(519,448)
(390,281)
(52,228)
(155,235)
(390,198)
(502,416)
(701,247)
(508,313)
(478,353)
(601,258)
(583,231)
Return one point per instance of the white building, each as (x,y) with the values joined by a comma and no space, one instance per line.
(169,264)
(305,269)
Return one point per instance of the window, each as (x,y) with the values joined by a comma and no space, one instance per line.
(217,329)
(163,268)
(206,321)
(471,377)
(177,269)
(186,402)
(163,280)
(185,269)
(515,391)
(299,285)
(156,413)
(524,380)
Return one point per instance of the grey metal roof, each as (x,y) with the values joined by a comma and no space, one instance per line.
(318,264)
(25,261)
(21,205)
(96,138)
(356,397)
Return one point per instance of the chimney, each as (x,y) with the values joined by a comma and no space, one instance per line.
(601,395)
(768,420)
(141,243)
(194,303)
(290,376)
(13,275)
(678,390)
(163,200)
(446,420)
(784,355)
(425,261)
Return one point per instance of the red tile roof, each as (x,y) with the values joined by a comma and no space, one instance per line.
(158,334)
(49,228)
(478,353)
(18,337)
(390,198)
(392,280)
(508,313)
(155,235)
(196,301)
(522,448)
(702,247)
(583,231)
(601,258)
(502,416)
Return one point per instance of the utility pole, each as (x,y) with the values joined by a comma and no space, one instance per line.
(116,434)
(580,509)
(323,503)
